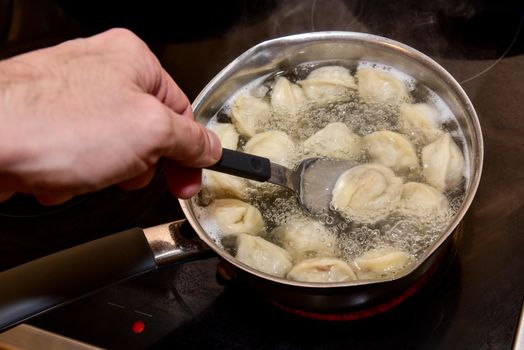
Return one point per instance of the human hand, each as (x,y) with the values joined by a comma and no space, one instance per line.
(89,113)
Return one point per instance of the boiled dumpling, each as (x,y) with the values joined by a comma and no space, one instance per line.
(302,237)
(322,270)
(220,185)
(422,200)
(419,121)
(249,113)
(234,216)
(443,163)
(391,149)
(263,255)
(227,134)
(367,193)
(273,144)
(376,85)
(287,98)
(379,262)
(336,140)
(328,84)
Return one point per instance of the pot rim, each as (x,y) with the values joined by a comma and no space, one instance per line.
(381,42)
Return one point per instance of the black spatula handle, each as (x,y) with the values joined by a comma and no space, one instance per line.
(244,165)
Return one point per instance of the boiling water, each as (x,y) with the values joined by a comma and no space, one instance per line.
(278,206)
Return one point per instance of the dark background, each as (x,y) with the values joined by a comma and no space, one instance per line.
(474,304)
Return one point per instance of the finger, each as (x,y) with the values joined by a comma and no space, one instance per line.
(48,200)
(150,76)
(191,144)
(139,181)
(183,182)
(172,96)
(5,196)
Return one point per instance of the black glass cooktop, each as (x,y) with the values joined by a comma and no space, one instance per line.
(473,303)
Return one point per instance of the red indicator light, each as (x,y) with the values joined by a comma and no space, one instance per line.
(138,327)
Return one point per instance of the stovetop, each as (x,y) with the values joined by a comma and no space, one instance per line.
(473,304)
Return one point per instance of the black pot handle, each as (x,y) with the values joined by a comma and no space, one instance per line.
(57,279)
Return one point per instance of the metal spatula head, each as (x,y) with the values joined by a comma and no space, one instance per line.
(312,180)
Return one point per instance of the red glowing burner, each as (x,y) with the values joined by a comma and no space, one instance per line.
(365,313)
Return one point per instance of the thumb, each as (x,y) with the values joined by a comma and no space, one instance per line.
(192,144)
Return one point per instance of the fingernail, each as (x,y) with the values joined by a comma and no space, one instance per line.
(214,145)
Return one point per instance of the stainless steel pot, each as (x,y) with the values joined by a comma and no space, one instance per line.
(285,53)
(46,283)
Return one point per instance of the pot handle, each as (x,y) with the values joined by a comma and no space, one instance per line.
(57,279)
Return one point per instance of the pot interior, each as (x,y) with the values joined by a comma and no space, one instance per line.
(284,53)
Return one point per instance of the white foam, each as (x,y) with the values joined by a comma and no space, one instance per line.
(207,222)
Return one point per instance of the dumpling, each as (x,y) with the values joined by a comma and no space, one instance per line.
(379,262)
(248,113)
(421,200)
(220,185)
(367,193)
(303,237)
(263,255)
(443,163)
(379,86)
(234,216)
(335,140)
(419,121)
(227,134)
(391,149)
(287,98)
(328,84)
(273,144)
(322,270)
